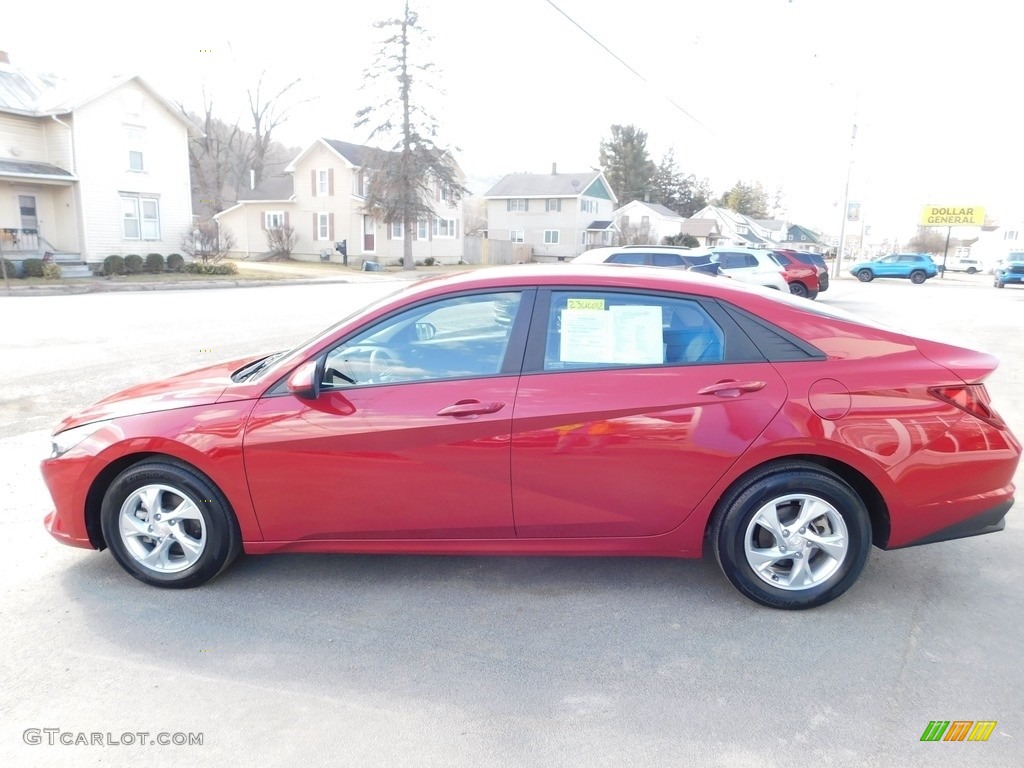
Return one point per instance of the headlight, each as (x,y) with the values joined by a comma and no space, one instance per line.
(64,441)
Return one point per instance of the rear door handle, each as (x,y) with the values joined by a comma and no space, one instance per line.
(470,408)
(732,388)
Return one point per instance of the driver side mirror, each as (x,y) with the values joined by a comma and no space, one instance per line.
(304,381)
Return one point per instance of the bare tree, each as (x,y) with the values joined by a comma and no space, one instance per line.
(416,167)
(266,117)
(637,234)
(281,240)
(208,242)
(928,240)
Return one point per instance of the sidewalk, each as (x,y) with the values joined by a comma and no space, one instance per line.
(291,273)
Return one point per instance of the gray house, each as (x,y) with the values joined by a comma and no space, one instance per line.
(559,214)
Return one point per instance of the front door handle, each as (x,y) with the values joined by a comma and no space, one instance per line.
(470,408)
(732,388)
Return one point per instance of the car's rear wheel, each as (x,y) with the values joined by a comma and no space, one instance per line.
(168,525)
(865,276)
(793,536)
(971,270)
(917,277)
(798,289)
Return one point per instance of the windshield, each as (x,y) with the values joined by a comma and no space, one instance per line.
(1015,258)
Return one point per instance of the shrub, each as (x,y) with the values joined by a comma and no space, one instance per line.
(51,271)
(199,268)
(113,265)
(175,262)
(32,267)
(429,261)
(154,263)
(133,264)
(12,271)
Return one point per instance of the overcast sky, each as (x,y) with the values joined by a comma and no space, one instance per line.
(759,90)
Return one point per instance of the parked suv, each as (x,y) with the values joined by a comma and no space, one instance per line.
(1010,270)
(801,278)
(916,266)
(651,256)
(752,265)
(815,260)
(970,266)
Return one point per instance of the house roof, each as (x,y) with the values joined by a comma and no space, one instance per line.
(699,227)
(32,95)
(772,225)
(280,187)
(543,185)
(33,170)
(356,155)
(600,225)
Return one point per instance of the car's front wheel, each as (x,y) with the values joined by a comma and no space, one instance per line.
(168,525)
(793,536)
(798,289)
(917,277)
(999,284)
(865,276)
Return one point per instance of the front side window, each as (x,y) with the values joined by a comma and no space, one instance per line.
(630,257)
(598,329)
(454,338)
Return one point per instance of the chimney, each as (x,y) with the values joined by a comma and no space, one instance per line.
(554,168)
(4,58)
(252,178)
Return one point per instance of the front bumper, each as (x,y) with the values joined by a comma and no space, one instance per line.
(1010,277)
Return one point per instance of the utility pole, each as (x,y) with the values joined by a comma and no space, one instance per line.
(846,207)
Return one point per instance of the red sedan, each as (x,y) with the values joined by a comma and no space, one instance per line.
(575,410)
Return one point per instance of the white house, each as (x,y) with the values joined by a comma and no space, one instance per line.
(641,222)
(321,195)
(737,229)
(90,170)
(559,214)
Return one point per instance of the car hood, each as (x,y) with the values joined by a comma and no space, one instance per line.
(198,387)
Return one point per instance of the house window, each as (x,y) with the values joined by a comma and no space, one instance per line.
(322,183)
(136,138)
(444,227)
(273,219)
(397,230)
(741,229)
(363,181)
(625,222)
(323,226)
(553,205)
(515,235)
(444,192)
(518,204)
(645,221)
(588,206)
(134,227)
(550,237)
(422,230)
(1010,234)
(803,237)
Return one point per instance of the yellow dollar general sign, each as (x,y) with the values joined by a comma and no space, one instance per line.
(952,216)
(958,730)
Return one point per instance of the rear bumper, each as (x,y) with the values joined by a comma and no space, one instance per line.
(989,521)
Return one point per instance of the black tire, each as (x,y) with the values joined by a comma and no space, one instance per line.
(187,550)
(798,289)
(842,514)
(999,285)
(917,277)
(971,270)
(865,275)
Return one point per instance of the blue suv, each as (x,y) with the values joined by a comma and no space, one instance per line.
(916,266)
(1011,270)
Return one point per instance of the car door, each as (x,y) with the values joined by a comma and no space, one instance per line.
(631,406)
(410,435)
(887,266)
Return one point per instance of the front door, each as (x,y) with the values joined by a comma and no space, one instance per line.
(369,236)
(410,437)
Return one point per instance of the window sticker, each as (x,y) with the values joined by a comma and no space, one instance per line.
(624,335)
(585,304)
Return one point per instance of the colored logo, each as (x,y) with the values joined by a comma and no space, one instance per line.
(958,730)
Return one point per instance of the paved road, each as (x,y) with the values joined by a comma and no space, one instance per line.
(463,661)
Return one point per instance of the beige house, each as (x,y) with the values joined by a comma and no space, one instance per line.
(560,214)
(90,171)
(321,195)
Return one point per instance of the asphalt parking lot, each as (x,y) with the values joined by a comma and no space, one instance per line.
(472,661)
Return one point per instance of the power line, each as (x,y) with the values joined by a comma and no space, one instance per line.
(627,66)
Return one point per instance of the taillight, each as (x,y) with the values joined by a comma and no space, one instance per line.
(972,398)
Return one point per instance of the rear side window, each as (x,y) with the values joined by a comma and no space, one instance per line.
(598,329)
(668,260)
